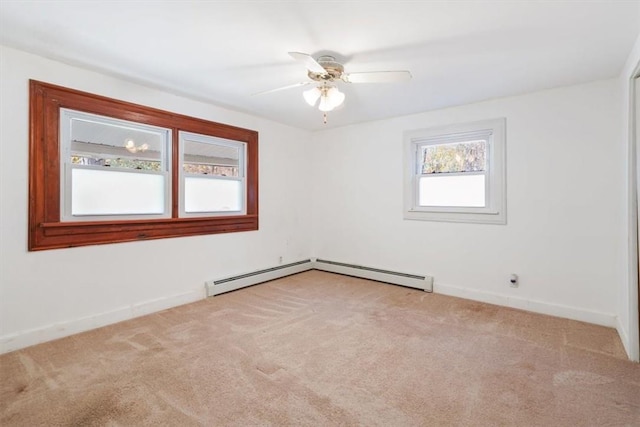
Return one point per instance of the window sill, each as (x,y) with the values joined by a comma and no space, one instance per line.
(499,218)
(70,234)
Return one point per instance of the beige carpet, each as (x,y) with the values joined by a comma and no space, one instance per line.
(320,349)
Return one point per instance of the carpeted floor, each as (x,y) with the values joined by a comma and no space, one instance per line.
(320,349)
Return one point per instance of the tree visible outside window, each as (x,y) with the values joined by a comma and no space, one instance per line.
(456,173)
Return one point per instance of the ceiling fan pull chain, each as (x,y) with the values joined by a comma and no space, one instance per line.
(324,116)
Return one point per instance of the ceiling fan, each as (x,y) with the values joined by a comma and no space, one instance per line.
(326,71)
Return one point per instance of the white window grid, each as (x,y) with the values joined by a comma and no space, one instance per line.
(466,137)
(183,136)
(67,167)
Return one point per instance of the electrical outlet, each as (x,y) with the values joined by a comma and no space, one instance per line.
(514,281)
(280,259)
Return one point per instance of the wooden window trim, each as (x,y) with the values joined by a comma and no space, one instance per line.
(46,231)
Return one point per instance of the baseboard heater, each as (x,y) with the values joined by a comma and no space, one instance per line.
(424,283)
(219,286)
(216,287)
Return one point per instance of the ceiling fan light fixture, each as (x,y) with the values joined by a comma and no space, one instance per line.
(326,71)
(336,98)
(330,98)
(325,104)
(311,96)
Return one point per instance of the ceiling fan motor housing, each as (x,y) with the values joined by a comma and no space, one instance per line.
(333,70)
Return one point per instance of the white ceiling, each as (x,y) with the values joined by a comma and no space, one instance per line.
(224,51)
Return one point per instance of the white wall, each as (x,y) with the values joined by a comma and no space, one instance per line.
(566,232)
(48,294)
(565,199)
(628,295)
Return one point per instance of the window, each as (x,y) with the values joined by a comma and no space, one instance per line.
(113,168)
(212,175)
(456,173)
(105,171)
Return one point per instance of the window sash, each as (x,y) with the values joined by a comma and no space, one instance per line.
(435,176)
(183,176)
(457,138)
(67,167)
(67,210)
(242,196)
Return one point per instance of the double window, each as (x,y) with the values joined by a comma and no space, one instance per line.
(456,173)
(104,171)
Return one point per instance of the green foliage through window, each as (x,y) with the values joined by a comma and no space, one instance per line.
(201,169)
(125,163)
(468,156)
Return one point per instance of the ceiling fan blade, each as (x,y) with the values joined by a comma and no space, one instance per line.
(308,61)
(278,89)
(377,77)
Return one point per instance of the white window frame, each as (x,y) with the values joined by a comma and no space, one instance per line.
(242,173)
(493,131)
(66,167)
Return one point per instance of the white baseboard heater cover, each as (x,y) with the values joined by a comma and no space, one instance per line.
(424,283)
(216,287)
(219,286)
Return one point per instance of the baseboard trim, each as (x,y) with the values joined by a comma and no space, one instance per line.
(51,332)
(558,310)
(633,353)
(624,337)
(54,331)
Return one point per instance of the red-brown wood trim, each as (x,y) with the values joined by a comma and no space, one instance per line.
(64,235)
(79,227)
(36,135)
(46,231)
(252,176)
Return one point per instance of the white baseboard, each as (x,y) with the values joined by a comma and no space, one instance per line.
(632,351)
(558,310)
(51,332)
(624,336)
(30,337)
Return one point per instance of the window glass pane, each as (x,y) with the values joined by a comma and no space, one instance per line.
(114,143)
(212,195)
(468,156)
(211,159)
(454,191)
(110,192)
